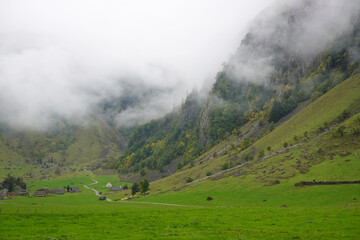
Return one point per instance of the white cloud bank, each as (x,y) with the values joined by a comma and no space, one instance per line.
(60,58)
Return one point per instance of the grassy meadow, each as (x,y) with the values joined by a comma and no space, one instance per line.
(239,213)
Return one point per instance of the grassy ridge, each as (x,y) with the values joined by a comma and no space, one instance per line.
(324,109)
(299,159)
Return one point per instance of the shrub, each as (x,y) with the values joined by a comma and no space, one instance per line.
(261,154)
(248,157)
(344,115)
(189,179)
(208,173)
(232,146)
(225,166)
(320,129)
(340,131)
(285,144)
(356,131)
(272,126)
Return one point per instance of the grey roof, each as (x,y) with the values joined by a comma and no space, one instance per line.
(75,189)
(60,191)
(39,192)
(115,188)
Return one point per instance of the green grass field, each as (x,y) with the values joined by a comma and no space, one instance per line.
(237,213)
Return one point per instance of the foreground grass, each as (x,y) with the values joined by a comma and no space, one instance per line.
(241,213)
(120,220)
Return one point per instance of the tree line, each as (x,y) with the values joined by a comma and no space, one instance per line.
(11,183)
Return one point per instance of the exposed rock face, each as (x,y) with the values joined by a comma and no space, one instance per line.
(204,125)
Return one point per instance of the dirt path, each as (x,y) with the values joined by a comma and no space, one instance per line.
(152,203)
(164,204)
(95,191)
(267,156)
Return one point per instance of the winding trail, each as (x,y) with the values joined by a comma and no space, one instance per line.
(152,203)
(265,157)
(95,191)
(164,204)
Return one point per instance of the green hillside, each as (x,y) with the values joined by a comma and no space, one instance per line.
(324,155)
(238,102)
(63,150)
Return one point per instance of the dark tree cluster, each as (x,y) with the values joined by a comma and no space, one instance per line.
(141,187)
(11,183)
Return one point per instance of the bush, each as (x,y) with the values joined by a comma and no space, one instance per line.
(320,129)
(340,131)
(285,144)
(261,154)
(225,166)
(189,179)
(208,173)
(344,115)
(248,157)
(356,131)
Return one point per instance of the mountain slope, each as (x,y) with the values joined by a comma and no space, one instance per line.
(59,151)
(272,73)
(324,155)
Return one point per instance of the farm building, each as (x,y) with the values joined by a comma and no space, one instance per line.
(74,189)
(60,191)
(4,194)
(40,194)
(108,185)
(115,188)
(21,192)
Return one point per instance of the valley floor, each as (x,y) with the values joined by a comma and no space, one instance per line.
(136,221)
(83,216)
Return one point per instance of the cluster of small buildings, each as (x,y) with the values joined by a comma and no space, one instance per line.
(113,188)
(60,191)
(5,194)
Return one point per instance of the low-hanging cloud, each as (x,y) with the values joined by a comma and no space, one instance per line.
(288,30)
(61,59)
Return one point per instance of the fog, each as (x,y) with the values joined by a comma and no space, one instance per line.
(59,59)
(292,29)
